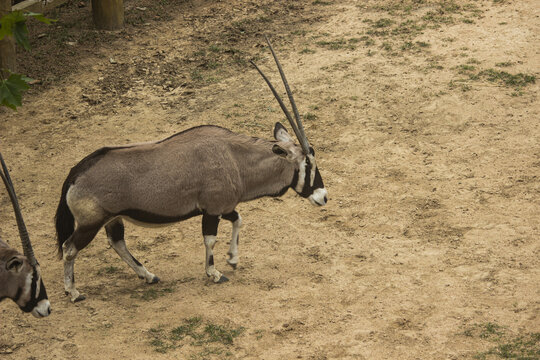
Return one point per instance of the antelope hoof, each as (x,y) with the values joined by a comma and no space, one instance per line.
(154,280)
(78,298)
(233,265)
(222,279)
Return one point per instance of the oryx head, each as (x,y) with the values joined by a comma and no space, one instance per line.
(308,182)
(25,285)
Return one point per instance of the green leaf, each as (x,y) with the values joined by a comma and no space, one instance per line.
(11,88)
(9,21)
(20,33)
(14,24)
(40,17)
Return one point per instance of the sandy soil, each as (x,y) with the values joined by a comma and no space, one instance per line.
(428,247)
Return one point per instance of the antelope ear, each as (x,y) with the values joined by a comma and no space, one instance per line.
(278,150)
(281,134)
(14,265)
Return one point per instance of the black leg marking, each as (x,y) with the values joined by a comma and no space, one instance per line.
(232,217)
(211,260)
(83,236)
(115,230)
(115,233)
(210,224)
(135,260)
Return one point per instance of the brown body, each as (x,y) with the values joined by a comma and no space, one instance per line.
(206,170)
(203,169)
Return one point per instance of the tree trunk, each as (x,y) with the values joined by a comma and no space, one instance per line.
(8,60)
(108,14)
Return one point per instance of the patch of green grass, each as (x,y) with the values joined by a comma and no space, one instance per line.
(152,294)
(506,345)
(194,332)
(299,32)
(221,334)
(507,79)
(386,46)
(436,18)
(465,69)
(196,75)
(215,48)
(416,46)
(320,2)
(382,23)
(338,44)
(108,270)
(310,116)
(409,27)
(467,21)
(188,328)
(504,64)
(307,51)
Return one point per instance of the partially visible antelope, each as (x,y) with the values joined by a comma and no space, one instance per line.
(20,276)
(205,170)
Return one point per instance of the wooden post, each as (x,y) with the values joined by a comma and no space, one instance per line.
(8,59)
(108,14)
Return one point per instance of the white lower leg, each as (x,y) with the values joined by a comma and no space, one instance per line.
(209,242)
(233,248)
(122,251)
(70,252)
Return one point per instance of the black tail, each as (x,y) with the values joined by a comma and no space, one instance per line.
(65,222)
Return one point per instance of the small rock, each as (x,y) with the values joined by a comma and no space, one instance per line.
(112,61)
(140,8)
(41,35)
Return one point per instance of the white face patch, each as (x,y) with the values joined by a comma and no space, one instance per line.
(313,169)
(318,197)
(301,176)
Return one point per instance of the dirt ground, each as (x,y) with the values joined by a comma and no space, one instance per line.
(425,119)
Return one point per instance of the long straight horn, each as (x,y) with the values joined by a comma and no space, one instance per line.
(302,134)
(278,98)
(25,238)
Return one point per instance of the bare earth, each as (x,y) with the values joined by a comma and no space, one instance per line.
(429,246)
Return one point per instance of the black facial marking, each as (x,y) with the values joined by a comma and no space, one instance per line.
(211,260)
(148,217)
(294,181)
(210,224)
(307,190)
(33,301)
(318,182)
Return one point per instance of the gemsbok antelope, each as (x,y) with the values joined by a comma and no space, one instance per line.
(20,276)
(205,170)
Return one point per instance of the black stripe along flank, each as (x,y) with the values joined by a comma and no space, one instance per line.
(150,218)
